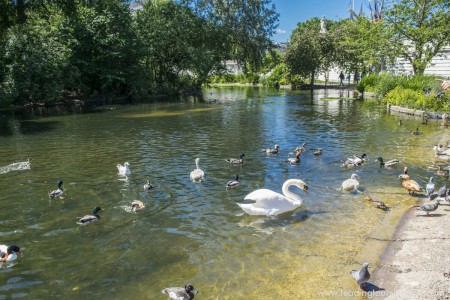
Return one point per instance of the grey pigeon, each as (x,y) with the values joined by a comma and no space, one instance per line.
(442,192)
(430,207)
(430,187)
(361,276)
(180,293)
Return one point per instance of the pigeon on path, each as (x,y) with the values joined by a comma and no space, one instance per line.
(430,207)
(361,276)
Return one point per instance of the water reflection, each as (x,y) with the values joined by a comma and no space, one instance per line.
(195,232)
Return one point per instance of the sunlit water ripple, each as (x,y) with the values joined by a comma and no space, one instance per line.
(195,232)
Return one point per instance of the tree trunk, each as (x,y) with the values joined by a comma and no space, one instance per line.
(20,8)
(311,86)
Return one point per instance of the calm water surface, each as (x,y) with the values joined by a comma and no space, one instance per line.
(194,232)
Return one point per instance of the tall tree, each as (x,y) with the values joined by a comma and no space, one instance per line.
(419,30)
(249,25)
(310,52)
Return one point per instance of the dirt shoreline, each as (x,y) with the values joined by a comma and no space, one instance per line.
(415,264)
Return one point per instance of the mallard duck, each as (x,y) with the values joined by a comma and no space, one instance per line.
(415,132)
(410,185)
(148,185)
(430,187)
(351,184)
(137,205)
(236,161)
(441,172)
(270,203)
(389,163)
(296,159)
(233,183)
(272,151)
(180,293)
(124,170)
(198,173)
(355,161)
(58,192)
(361,276)
(318,151)
(9,253)
(87,219)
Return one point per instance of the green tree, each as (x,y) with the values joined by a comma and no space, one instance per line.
(248,24)
(418,29)
(310,52)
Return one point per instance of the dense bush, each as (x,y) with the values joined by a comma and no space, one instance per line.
(410,98)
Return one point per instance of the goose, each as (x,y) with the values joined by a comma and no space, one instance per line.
(233,183)
(272,151)
(137,205)
(361,276)
(415,132)
(58,192)
(180,293)
(351,184)
(148,185)
(198,173)
(389,163)
(410,185)
(318,151)
(430,187)
(236,161)
(296,159)
(87,219)
(270,203)
(124,170)
(9,253)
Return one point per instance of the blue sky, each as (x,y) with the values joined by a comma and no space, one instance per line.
(295,11)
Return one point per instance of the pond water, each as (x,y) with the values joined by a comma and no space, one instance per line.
(195,232)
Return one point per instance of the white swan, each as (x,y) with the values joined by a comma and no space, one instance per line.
(270,203)
(351,184)
(197,174)
(124,170)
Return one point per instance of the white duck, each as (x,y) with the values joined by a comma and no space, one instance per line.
(233,183)
(198,173)
(270,203)
(351,184)
(124,170)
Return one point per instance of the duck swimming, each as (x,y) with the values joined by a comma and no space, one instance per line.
(415,132)
(87,219)
(236,161)
(58,192)
(351,184)
(389,163)
(124,170)
(180,293)
(272,151)
(137,205)
(296,159)
(270,203)
(9,253)
(148,185)
(198,173)
(233,183)
(318,151)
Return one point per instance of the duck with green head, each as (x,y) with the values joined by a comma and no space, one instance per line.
(87,219)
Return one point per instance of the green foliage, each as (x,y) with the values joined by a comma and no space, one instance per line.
(406,97)
(38,62)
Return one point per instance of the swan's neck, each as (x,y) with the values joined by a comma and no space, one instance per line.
(196,163)
(295,182)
